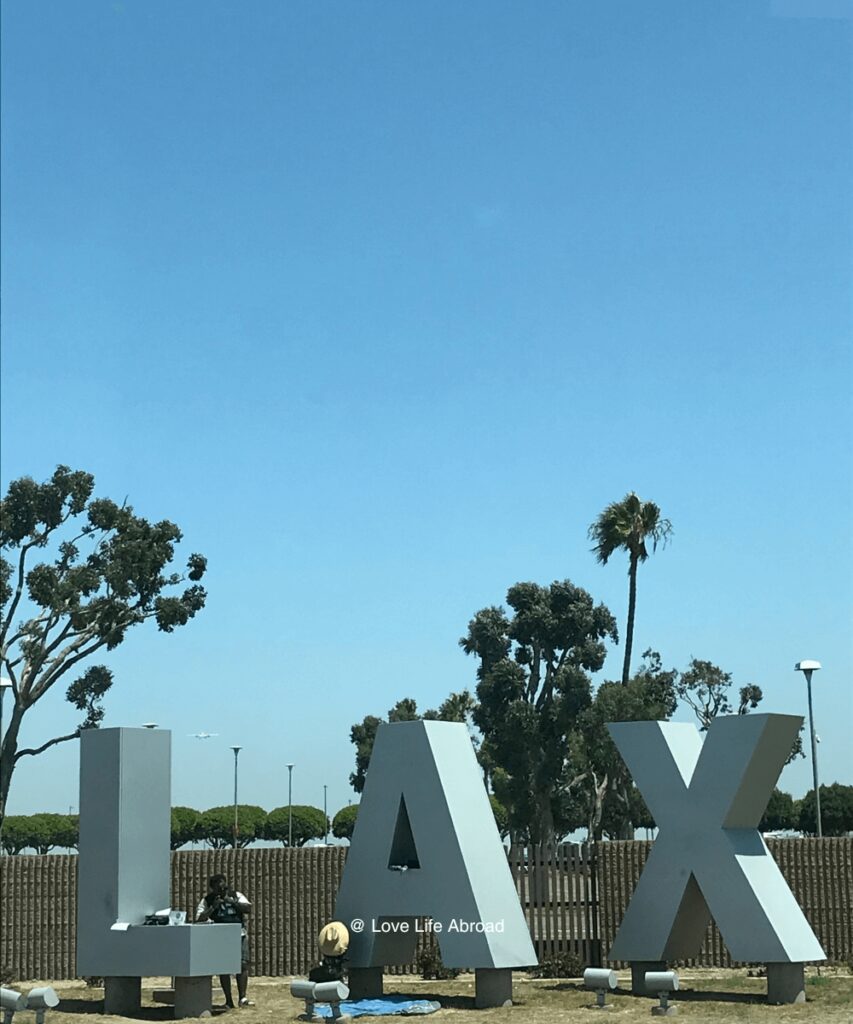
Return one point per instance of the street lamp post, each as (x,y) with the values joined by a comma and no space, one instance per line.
(325,815)
(5,684)
(236,823)
(290,806)
(807,667)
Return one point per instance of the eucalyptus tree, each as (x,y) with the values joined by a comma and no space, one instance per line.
(629,525)
(458,707)
(614,806)
(704,687)
(533,686)
(103,569)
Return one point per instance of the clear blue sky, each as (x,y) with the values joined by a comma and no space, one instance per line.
(382,302)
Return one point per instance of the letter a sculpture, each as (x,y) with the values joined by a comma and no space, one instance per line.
(426,843)
(709,858)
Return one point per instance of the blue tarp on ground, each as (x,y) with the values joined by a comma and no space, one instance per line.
(399,1005)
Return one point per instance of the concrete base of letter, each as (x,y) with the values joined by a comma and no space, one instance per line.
(122,996)
(492,987)
(365,983)
(193,997)
(638,975)
(786,983)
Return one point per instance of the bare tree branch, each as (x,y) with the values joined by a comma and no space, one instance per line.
(19,590)
(49,678)
(44,746)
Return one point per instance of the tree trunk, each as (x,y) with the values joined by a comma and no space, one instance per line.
(632,607)
(545,820)
(621,790)
(598,790)
(7,755)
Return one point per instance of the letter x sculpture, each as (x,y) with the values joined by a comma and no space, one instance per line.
(709,857)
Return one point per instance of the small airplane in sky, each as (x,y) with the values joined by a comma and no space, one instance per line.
(203,735)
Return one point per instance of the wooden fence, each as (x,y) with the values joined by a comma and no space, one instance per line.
(573,898)
(557,890)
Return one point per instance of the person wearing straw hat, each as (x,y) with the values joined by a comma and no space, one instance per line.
(333,942)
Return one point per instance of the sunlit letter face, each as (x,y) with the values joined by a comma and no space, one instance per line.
(709,858)
(123,867)
(426,845)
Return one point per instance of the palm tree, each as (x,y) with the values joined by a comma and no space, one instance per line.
(627,525)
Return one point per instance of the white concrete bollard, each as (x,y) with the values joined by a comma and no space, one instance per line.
(599,979)
(661,983)
(331,992)
(10,1001)
(41,1000)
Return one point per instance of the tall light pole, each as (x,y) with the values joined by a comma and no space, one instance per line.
(807,667)
(290,806)
(236,823)
(325,816)
(5,684)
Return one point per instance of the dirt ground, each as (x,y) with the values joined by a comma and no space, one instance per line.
(716,996)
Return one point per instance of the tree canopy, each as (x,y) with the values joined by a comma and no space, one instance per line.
(40,832)
(613,806)
(343,822)
(836,811)
(458,707)
(103,569)
(185,826)
(532,687)
(307,823)
(705,687)
(629,525)
(781,813)
(216,825)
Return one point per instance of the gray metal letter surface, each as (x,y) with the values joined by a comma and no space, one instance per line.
(709,857)
(123,867)
(426,843)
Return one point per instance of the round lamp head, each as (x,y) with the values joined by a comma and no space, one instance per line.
(807,666)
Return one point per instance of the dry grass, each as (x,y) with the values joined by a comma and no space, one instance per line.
(709,995)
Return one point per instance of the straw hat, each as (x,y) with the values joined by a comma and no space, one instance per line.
(333,939)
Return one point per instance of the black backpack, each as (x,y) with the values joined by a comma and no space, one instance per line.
(226,913)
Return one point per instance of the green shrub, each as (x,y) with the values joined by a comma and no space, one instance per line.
(559,965)
(430,966)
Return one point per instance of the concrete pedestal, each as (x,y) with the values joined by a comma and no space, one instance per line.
(122,996)
(638,975)
(192,997)
(492,987)
(364,983)
(786,983)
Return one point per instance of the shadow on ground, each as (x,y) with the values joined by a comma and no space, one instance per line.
(690,995)
(96,1006)
(446,1002)
(683,995)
